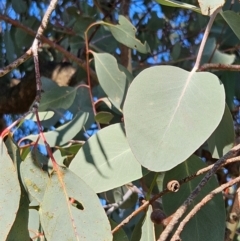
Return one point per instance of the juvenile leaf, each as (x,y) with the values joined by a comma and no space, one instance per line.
(222,139)
(176,104)
(9,192)
(208,7)
(67,212)
(125,32)
(64,133)
(104,117)
(233,20)
(209,222)
(105,161)
(113,81)
(178,4)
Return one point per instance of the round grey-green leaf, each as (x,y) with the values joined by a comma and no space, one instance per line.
(169,113)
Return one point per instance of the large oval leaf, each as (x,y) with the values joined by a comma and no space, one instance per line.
(209,222)
(106,161)
(71,210)
(169,113)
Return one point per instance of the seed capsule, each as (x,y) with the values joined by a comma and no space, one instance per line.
(173,186)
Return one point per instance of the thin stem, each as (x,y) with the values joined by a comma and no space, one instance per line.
(205,37)
(88,69)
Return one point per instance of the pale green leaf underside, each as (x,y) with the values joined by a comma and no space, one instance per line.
(105,161)
(180,113)
(125,32)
